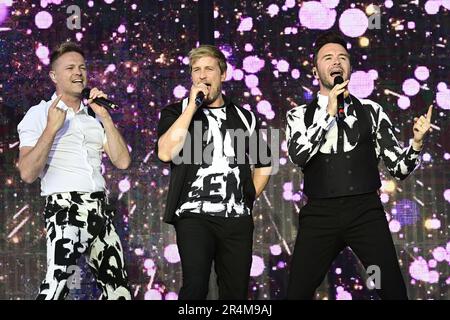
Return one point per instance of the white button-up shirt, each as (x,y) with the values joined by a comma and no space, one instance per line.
(74,160)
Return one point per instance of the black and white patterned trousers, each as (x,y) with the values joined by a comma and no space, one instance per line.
(81,223)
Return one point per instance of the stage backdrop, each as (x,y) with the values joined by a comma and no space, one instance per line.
(136,52)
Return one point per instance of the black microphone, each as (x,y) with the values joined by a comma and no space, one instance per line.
(199,98)
(340,98)
(100,101)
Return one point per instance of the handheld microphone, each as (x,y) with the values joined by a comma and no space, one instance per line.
(340,98)
(199,98)
(100,101)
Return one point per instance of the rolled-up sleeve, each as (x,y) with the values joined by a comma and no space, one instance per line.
(168,117)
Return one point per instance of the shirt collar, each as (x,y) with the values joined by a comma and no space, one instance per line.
(83,108)
(322,100)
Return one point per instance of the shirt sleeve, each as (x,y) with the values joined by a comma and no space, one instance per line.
(168,117)
(399,161)
(29,129)
(303,143)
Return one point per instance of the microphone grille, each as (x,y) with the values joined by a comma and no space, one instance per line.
(338,80)
(85,93)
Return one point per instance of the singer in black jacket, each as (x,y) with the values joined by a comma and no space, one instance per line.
(339,158)
(212,185)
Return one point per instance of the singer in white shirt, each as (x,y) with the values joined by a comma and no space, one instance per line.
(62,145)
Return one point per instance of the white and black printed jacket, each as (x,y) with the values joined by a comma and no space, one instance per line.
(322,136)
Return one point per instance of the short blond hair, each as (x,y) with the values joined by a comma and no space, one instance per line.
(206,50)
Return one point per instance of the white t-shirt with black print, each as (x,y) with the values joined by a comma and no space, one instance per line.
(217,189)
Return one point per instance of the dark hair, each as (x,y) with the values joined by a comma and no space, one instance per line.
(64,48)
(325,38)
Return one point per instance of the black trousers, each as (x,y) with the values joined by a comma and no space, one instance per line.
(226,241)
(326,227)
